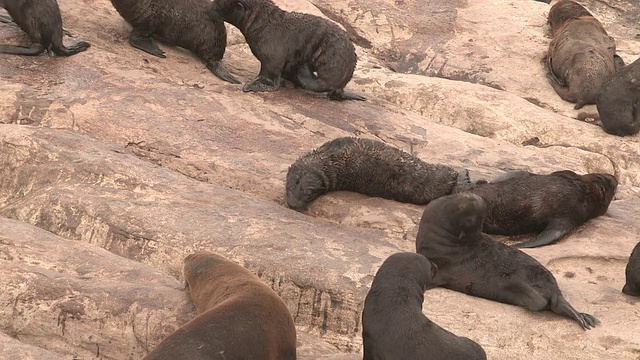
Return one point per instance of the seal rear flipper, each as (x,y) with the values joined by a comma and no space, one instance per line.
(216,67)
(560,306)
(344,95)
(72,49)
(145,43)
(262,84)
(33,50)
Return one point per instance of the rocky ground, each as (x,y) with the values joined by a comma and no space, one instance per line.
(114,165)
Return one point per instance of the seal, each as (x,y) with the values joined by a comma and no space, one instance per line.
(581,56)
(184,23)
(551,205)
(632,272)
(311,52)
(238,316)
(393,309)
(370,167)
(619,102)
(42,21)
(471,262)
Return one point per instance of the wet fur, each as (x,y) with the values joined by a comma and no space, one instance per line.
(238,316)
(619,102)
(632,272)
(369,167)
(471,262)
(393,308)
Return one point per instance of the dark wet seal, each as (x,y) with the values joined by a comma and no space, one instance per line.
(311,52)
(632,272)
(42,21)
(184,23)
(471,262)
(238,317)
(393,325)
(619,102)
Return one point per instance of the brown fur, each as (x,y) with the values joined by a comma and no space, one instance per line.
(632,272)
(619,102)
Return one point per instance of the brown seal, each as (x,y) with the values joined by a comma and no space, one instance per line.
(551,205)
(619,102)
(582,56)
(471,262)
(393,309)
(369,167)
(239,317)
(309,51)
(42,21)
(632,272)
(184,23)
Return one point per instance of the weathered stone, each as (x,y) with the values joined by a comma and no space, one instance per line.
(11,348)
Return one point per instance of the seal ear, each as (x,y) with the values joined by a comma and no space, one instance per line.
(434,269)
(239,5)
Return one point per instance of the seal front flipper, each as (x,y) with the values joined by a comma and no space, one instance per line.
(145,43)
(261,84)
(345,95)
(33,50)
(560,306)
(556,228)
(72,49)
(220,71)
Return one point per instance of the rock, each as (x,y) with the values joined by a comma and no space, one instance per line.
(11,348)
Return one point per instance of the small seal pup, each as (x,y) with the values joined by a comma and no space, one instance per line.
(619,102)
(551,205)
(239,317)
(42,21)
(581,56)
(471,262)
(393,309)
(184,23)
(632,272)
(307,50)
(368,167)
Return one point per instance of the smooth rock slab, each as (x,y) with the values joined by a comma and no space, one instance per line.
(11,348)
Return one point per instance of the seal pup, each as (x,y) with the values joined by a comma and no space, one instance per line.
(393,309)
(469,261)
(239,317)
(369,167)
(581,56)
(184,23)
(307,50)
(551,205)
(42,21)
(619,102)
(632,273)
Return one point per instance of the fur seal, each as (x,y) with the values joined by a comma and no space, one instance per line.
(581,56)
(393,309)
(469,261)
(619,102)
(551,205)
(632,272)
(184,23)
(239,317)
(307,50)
(369,167)
(42,21)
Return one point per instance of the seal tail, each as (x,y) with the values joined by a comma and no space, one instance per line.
(560,306)
(33,50)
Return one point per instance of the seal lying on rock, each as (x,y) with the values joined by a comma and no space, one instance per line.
(469,261)
(369,167)
(309,51)
(619,102)
(581,54)
(239,317)
(632,272)
(42,21)
(393,325)
(184,23)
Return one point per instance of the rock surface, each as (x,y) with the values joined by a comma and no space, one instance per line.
(151,159)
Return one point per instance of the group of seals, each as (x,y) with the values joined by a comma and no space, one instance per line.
(311,52)
(393,309)
(632,272)
(370,167)
(582,56)
(469,261)
(42,21)
(619,102)
(239,317)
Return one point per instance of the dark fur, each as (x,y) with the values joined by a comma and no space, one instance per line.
(393,308)
(309,51)
(184,23)
(42,21)
(239,317)
(469,261)
(551,205)
(581,55)
(619,102)
(369,167)
(632,272)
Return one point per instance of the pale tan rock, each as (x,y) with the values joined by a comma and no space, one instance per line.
(11,348)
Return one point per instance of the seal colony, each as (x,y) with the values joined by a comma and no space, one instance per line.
(238,317)
(619,102)
(41,20)
(393,309)
(311,52)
